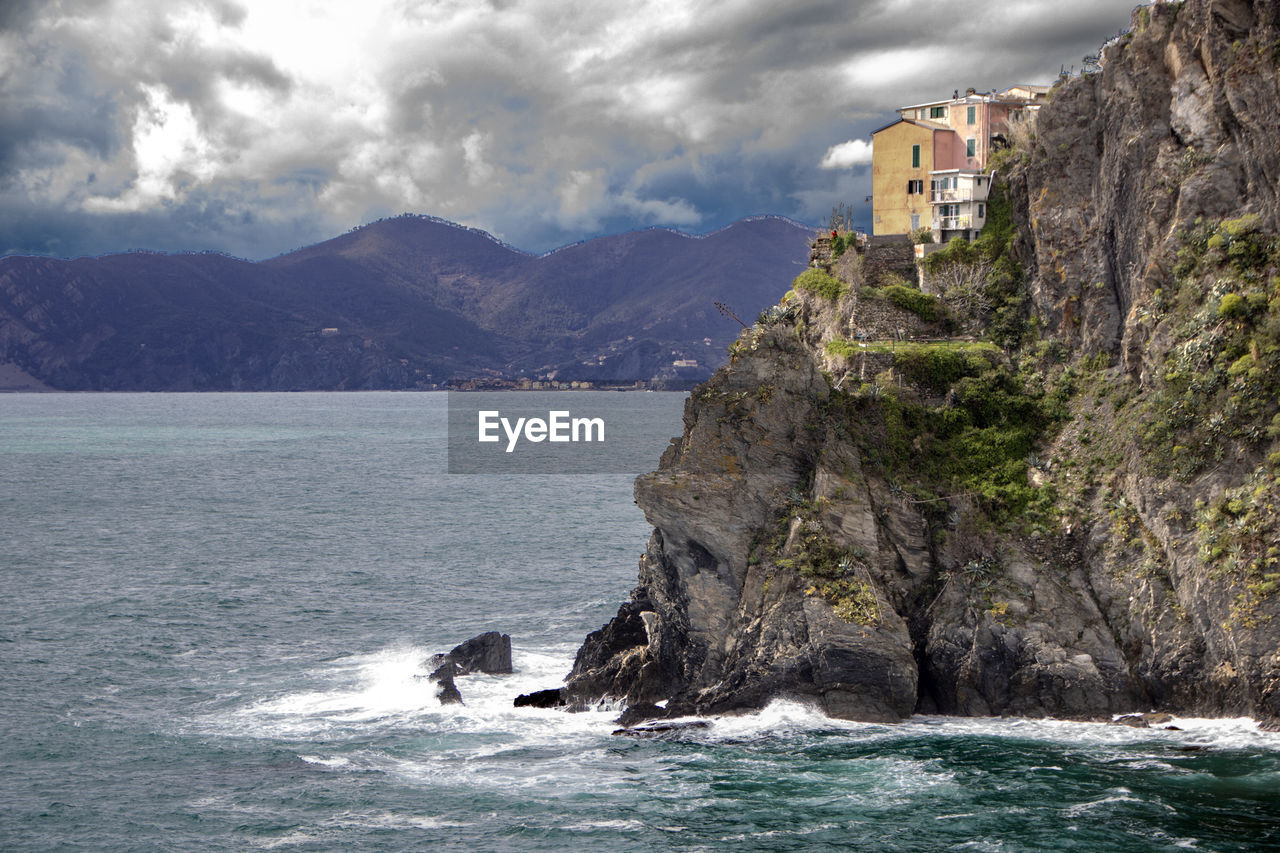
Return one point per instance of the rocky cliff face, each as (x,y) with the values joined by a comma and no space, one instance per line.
(1080,522)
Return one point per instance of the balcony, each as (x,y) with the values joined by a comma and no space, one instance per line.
(940,196)
(951,223)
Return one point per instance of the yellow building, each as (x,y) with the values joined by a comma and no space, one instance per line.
(902,158)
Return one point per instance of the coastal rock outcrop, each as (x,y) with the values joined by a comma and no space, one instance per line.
(489,653)
(1079,522)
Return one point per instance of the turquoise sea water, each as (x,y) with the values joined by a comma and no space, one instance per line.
(217,608)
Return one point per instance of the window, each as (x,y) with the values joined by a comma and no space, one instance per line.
(915,156)
(972,116)
(937,112)
(971,147)
(915,221)
(915,187)
(982,210)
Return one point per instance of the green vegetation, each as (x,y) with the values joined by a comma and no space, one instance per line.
(938,366)
(780,313)
(910,299)
(843,243)
(842,347)
(933,366)
(819,282)
(837,574)
(1221,378)
(1238,539)
(977,444)
(983,278)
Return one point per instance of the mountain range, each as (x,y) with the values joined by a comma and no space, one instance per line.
(409,302)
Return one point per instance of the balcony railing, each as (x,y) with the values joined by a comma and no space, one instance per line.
(951,223)
(965,194)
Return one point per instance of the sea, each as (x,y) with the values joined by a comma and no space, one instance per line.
(217,613)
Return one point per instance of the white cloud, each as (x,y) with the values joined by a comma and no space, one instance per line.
(846,155)
(169,151)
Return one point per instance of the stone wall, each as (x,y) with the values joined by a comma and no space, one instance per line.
(883,259)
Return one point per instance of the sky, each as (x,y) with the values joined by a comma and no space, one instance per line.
(253,127)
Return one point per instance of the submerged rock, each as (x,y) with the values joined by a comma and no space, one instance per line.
(639,713)
(550,698)
(1133,721)
(1143,721)
(660,729)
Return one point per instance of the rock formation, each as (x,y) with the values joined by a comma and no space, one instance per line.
(1079,522)
(489,653)
(443,675)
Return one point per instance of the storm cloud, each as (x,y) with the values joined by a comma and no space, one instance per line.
(256,127)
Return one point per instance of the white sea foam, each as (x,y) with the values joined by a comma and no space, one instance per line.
(389,688)
(326,762)
(1114,796)
(1241,733)
(616,825)
(488,743)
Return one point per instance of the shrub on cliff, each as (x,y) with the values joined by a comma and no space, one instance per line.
(939,366)
(922,305)
(976,444)
(816,281)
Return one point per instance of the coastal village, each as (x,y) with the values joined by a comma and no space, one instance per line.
(931,178)
(932,174)
(930,165)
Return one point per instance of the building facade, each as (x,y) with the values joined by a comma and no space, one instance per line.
(928,168)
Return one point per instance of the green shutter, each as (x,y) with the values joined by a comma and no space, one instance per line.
(971,147)
(973,115)
(915,156)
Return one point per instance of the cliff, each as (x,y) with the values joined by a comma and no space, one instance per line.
(1061,499)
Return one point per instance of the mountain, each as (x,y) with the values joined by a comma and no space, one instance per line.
(410,302)
(1078,516)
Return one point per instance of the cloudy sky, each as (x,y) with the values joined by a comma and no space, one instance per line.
(256,126)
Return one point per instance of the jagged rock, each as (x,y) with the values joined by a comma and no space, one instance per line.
(443,675)
(488,653)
